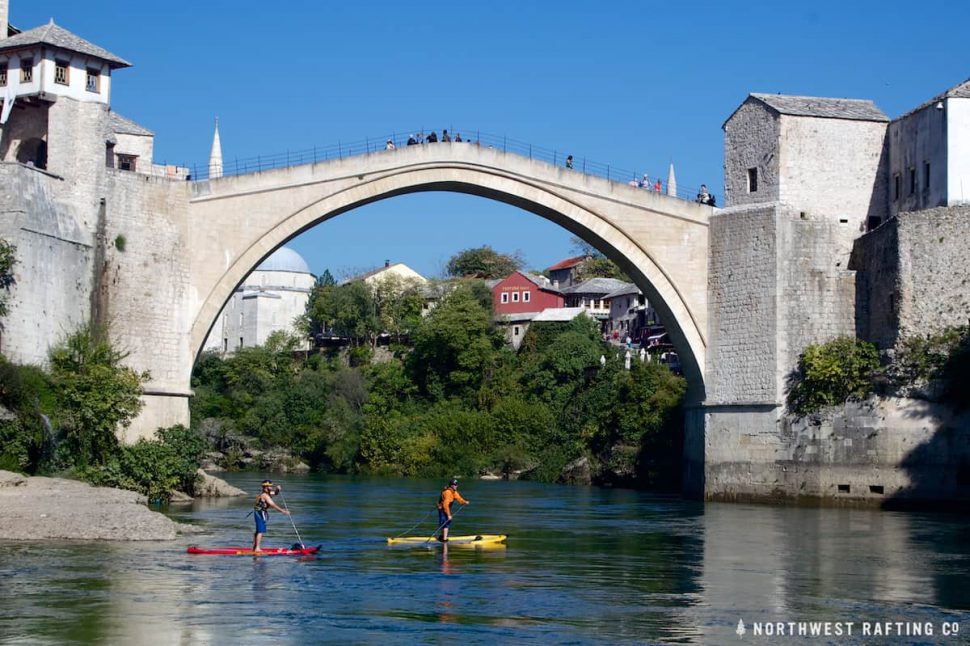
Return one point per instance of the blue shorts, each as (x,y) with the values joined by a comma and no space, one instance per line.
(260,517)
(443,519)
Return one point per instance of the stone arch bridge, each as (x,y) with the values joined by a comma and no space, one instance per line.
(660,241)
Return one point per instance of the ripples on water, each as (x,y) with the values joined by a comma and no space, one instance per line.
(582,566)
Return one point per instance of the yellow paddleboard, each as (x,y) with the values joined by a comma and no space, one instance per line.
(480,540)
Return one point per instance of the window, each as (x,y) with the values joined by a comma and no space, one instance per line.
(515,330)
(27,70)
(93,82)
(505,297)
(912,181)
(897,187)
(240,342)
(926,175)
(62,72)
(225,344)
(129,162)
(515,297)
(526,296)
(752,180)
(3,74)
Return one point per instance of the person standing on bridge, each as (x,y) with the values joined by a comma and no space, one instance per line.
(448,495)
(389,145)
(658,187)
(569,161)
(458,138)
(432,138)
(445,136)
(261,510)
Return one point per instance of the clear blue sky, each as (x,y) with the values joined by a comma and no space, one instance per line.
(636,85)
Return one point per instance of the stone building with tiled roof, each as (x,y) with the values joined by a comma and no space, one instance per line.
(49,76)
(563,272)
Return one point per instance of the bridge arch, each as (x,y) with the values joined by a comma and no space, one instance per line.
(660,241)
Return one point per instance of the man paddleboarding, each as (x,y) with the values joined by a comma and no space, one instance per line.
(261,510)
(448,495)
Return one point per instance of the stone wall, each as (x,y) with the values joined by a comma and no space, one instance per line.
(913,275)
(742,296)
(51,296)
(816,291)
(22,125)
(751,139)
(881,452)
(148,288)
(833,170)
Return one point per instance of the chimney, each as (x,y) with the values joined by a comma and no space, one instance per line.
(4,12)
(387,263)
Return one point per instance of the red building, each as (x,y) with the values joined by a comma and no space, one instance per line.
(520,292)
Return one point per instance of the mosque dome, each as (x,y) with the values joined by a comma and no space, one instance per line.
(284,259)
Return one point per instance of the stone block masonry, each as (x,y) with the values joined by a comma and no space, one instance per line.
(914,275)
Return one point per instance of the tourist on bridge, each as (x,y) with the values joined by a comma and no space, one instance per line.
(432,138)
(261,510)
(412,140)
(569,161)
(458,138)
(645,182)
(448,495)
(389,145)
(445,136)
(704,197)
(658,187)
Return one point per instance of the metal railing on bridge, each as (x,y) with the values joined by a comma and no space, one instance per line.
(506,144)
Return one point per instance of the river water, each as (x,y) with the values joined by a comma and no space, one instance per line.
(582,566)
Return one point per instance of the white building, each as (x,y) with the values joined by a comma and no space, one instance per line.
(270,299)
(929,154)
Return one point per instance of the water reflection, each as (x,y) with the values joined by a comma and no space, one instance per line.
(581,565)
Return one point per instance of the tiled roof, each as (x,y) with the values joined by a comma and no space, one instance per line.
(814,106)
(596,286)
(56,36)
(541,282)
(960,91)
(628,288)
(567,263)
(125,126)
(558,314)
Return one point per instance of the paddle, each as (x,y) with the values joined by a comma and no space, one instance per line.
(290,516)
(443,524)
(433,509)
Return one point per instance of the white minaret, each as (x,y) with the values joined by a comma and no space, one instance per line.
(671,181)
(4,17)
(215,156)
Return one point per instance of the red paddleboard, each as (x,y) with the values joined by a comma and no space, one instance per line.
(248,551)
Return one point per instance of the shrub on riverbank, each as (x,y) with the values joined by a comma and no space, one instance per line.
(65,420)
(154,467)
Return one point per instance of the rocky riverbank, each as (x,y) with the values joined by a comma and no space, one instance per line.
(37,508)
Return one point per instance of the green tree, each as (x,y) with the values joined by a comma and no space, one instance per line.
(483,262)
(455,347)
(346,310)
(398,303)
(596,265)
(8,258)
(97,394)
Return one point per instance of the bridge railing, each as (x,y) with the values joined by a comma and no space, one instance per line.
(366,146)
